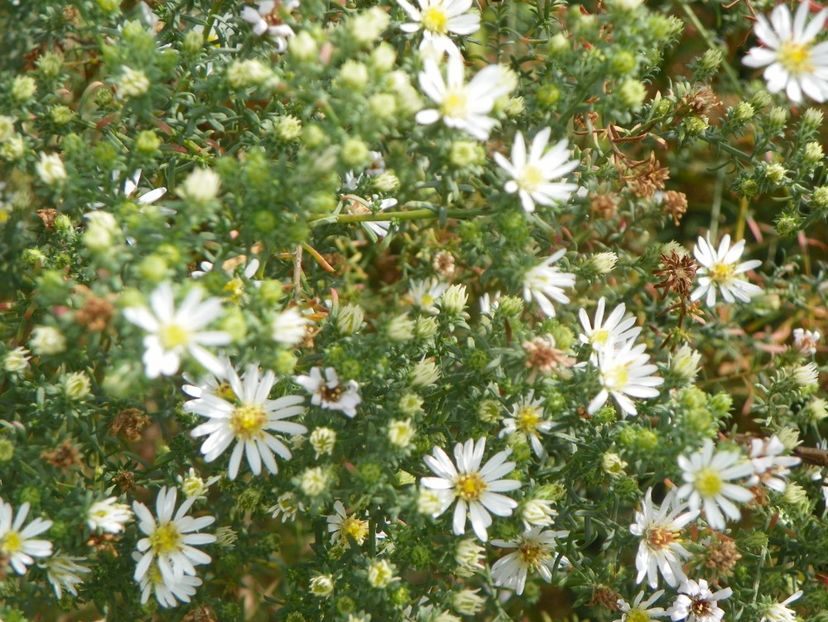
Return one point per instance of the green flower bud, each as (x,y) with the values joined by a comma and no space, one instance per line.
(622,62)
(820,197)
(353,75)
(383,105)
(632,93)
(193,41)
(743,111)
(6,450)
(147,142)
(490,411)
(558,44)
(23,88)
(50,64)
(153,268)
(355,153)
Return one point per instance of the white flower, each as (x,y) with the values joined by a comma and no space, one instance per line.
(720,270)
(201,186)
(792,61)
(192,485)
(323,441)
(641,610)
(684,363)
(229,266)
(534,552)
(426,294)
(321,585)
(249,419)
(17,544)
(328,393)
(173,333)
(538,512)
(288,327)
(47,340)
(489,303)
(532,172)
(401,432)
(769,466)
(527,419)
(343,526)
(64,573)
(545,282)
(438,18)
(381,573)
(476,490)
(697,603)
(460,105)
(168,590)
(171,540)
(108,515)
(625,371)
(806,375)
(708,483)
(660,549)
(265,19)
(50,169)
(287,506)
(16,361)
(314,481)
(780,612)
(806,340)
(617,328)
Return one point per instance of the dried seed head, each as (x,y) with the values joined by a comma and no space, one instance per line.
(675,205)
(677,273)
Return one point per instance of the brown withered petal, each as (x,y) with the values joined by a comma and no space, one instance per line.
(675,205)
(647,177)
(62,457)
(677,273)
(129,423)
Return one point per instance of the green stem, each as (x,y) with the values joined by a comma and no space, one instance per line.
(415,214)
(728,68)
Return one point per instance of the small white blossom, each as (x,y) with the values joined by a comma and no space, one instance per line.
(770,467)
(108,515)
(793,62)
(697,603)
(617,328)
(538,513)
(475,489)
(545,282)
(50,169)
(527,418)
(806,375)
(806,340)
(381,573)
(463,106)
(173,332)
(192,485)
(438,19)
(624,372)
(17,360)
(780,612)
(534,552)
(641,610)
(720,270)
(684,363)
(289,327)
(264,19)
(426,294)
(18,545)
(169,591)
(327,392)
(47,340)
(709,483)
(65,573)
(321,585)
(201,186)
(532,171)
(323,440)
(342,526)
(287,506)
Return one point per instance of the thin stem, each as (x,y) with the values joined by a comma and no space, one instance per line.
(415,214)
(708,39)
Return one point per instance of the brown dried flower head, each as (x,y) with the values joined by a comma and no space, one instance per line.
(722,555)
(129,423)
(647,177)
(443,264)
(677,272)
(543,356)
(700,101)
(604,596)
(675,205)
(62,457)
(603,206)
(95,313)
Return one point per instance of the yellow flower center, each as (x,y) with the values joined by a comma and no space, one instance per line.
(235,288)
(173,336)
(11,542)
(795,57)
(532,554)
(637,615)
(659,537)
(455,103)
(531,178)
(470,486)
(427,300)
(617,377)
(247,421)
(600,336)
(225,391)
(722,272)
(354,528)
(435,20)
(165,539)
(528,419)
(708,482)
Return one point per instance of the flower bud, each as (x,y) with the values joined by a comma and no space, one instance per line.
(314,481)
(400,432)
(23,88)
(467,602)
(321,585)
(684,363)
(604,263)
(201,186)
(400,328)
(454,299)
(350,319)
(424,373)
(76,385)
(16,361)
(323,440)
(380,572)
(132,83)
(50,169)
(47,340)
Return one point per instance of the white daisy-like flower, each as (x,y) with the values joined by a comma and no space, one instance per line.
(380,228)
(476,490)
(426,294)
(172,333)
(18,545)
(193,485)
(171,539)
(147,198)
(65,573)
(624,371)
(460,105)
(780,612)
(532,171)
(660,549)
(793,62)
(721,270)
(169,591)
(249,419)
(545,282)
(342,526)
(697,603)
(327,392)
(489,303)
(806,340)
(709,483)
(108,515)
(265,19)
(287,506)
(603,333)
(527,419)
(249,271)
(770,467)
(641,610)
(438,19)
(289,327)
(534,552)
